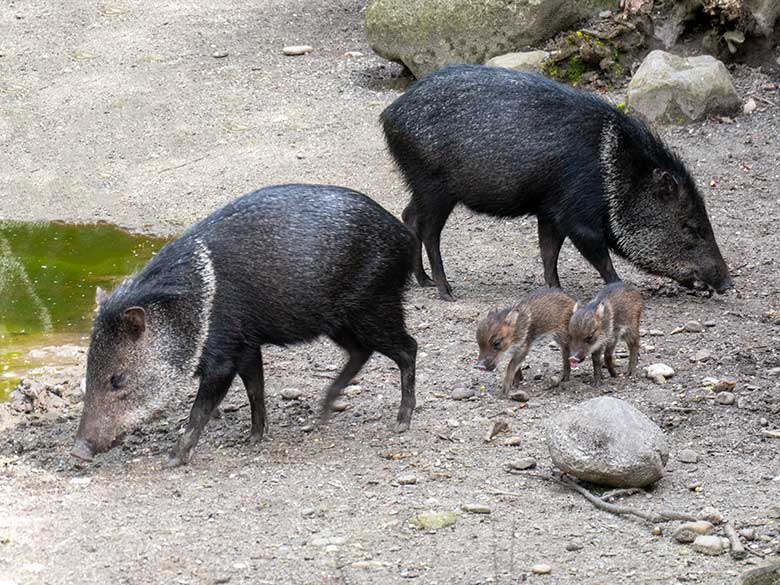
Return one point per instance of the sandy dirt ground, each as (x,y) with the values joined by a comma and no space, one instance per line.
(132,113)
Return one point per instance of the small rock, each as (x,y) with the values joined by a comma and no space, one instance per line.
(80,480)
(726,398)
(688,456)
(702,355)
(694,327)
(573,546)
(309,512)
(656,531)
(513,441)
(709,545)
(711,515)
(408,479)
(499,427)
(462,392)
(710,323)
(297,49)
(339,406)
(434,520)
(656,333)
(307,428)
(774,512)
(524,463)
(353,54)
(368,565)
(220,54)
(453,423)
(605,14)
(222,579)
(541,569)
(724,385)
(750,106)
(659,373)
(476,508)
(291,393)
(519,396)
(690,530)
(748,533)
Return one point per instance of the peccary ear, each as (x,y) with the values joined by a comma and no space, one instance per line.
(101,296)
(600,311)
(511,317)
(135,319)
(667,184)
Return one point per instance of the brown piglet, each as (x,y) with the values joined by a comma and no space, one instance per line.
(596,328)
(514,329)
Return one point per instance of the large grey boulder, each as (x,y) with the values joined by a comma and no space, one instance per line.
(667,89)
(607,441)
(426,35)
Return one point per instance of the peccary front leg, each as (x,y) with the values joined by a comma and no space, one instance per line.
(514,370)
(596,358)
(633,354)
(594,249)
(609,359)
(566,363)
(550,242)
(409,215)
(210,393)
(251,373)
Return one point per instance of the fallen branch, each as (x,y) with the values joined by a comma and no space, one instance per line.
(655,518)
(612,494)
(737,550)
(771,434)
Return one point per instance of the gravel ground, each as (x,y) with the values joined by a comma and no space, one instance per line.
(122,112)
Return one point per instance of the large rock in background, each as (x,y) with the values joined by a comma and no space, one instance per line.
(667,89)
(607,441)
(528,61)
(426,35)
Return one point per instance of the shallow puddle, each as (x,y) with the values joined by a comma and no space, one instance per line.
(48,276)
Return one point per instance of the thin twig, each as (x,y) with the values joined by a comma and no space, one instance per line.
(762,99)
(771,434)
(737,550)
(612,494)
(661,516)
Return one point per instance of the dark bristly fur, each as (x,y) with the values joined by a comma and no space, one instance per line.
(281,265)
(507,144)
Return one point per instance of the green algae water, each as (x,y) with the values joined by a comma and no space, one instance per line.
(48,276)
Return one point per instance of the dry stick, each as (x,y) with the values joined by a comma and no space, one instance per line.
(662,516)
(606,496)
(771,434)
(762,99)
(737,550)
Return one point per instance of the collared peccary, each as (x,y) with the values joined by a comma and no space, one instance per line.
(281,265)
(597,327)
(508,144)
(514,329)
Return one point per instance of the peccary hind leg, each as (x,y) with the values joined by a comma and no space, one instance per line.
(358,356)
(431,220)
(251,373)
(550,242)
(404,354)
(409,216)
(210,393)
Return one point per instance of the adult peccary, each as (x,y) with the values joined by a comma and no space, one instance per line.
(514,329)
(597,327)
(508,144)
(280,265)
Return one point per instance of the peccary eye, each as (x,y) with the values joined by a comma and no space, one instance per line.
(118,380)
(589,339)
(496,343)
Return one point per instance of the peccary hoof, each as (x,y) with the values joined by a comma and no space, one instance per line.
(401,427)
(176,459)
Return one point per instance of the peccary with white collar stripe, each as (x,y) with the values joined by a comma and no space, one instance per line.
(596,328)
(281,265)
(508,144)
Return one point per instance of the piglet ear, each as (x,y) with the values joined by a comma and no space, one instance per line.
(667,185)
(135,319)
(511,317)
(101,296)
(600,311)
